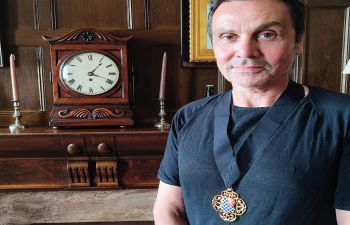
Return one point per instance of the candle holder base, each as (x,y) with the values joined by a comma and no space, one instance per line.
(162,124)
(17,126)
(17,115)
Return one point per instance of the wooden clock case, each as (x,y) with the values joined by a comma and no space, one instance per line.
(73,109)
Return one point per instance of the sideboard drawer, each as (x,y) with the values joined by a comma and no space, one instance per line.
(102,146)
(74,146)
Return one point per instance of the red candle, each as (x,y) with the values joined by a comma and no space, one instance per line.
(163,77)
(13,78)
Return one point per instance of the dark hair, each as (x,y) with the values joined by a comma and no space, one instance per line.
(296,9)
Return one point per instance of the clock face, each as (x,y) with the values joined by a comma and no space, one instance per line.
(90,73)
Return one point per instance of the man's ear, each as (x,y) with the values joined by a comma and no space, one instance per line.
(299,47)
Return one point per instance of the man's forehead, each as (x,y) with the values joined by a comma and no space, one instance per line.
(247,1)
(254,16)
(253,9)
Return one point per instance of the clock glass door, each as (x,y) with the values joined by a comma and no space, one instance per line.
(90,73)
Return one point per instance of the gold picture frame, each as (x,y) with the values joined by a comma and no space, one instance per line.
(199,42)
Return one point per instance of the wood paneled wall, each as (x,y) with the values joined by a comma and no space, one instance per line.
(327,44)
(155,25)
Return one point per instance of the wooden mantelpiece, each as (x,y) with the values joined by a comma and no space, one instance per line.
(102,223)
(48,158)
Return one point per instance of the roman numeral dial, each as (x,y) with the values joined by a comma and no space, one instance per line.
(90,73)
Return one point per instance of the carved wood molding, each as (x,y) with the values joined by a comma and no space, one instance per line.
(53,8)
(130,13)
(83,35)
(147,15)
(83,113)
(78,174)
(41,78)
(106,174)
(36,14)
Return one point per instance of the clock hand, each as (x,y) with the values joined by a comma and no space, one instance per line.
(95,75)
(96,68)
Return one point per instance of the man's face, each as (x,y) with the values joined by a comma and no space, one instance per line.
(254,42)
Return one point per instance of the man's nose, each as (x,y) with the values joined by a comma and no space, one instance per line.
(247,48)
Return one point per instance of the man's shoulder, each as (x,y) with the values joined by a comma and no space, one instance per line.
(329,101)
(333,107)
(199,108)
(203,103)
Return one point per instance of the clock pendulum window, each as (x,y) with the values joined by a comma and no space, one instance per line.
(90,79)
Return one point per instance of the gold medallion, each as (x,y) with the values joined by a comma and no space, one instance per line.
(229,205)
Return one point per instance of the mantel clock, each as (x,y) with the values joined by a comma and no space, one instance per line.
(90,79)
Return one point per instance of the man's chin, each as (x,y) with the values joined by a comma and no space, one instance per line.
(251,80)
(254,83)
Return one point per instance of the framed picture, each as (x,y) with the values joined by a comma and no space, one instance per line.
(196,44)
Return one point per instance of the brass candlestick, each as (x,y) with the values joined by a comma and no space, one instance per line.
(162,124)
(17,116)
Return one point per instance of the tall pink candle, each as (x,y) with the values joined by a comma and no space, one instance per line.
(13,78)
(163,77)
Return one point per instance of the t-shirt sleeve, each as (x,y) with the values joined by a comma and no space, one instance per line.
(342,195)
(169,170)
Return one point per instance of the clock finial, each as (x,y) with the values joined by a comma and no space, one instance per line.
(88,36)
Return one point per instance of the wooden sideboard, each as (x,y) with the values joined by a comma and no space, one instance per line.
(48,158)
(102,223)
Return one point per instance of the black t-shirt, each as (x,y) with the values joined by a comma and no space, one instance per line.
(300,177)
(242,122)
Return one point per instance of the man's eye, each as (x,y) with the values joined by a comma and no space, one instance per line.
(267,35)
(227,36)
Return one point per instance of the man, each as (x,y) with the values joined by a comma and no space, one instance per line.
(269,152)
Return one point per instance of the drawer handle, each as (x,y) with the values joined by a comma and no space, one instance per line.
(103,148)
(74,149)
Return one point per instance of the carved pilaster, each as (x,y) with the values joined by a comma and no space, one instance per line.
(106,174)
(78,174)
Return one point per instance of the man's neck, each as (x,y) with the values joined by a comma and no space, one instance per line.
(257,97)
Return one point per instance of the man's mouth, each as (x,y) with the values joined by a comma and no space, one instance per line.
(247,69)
